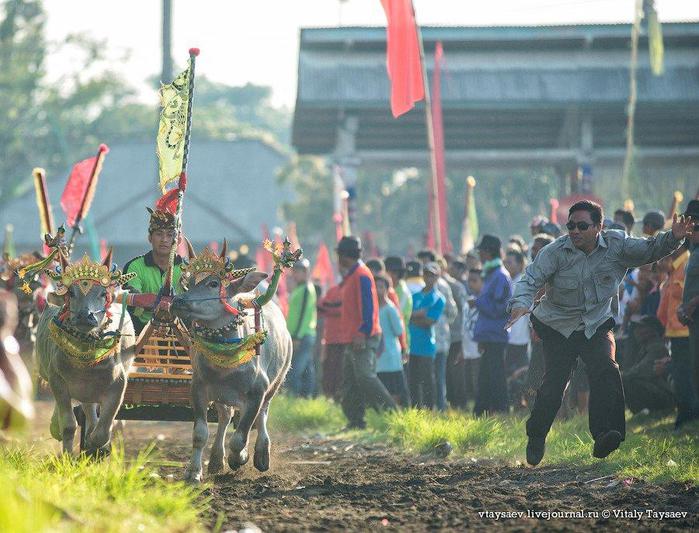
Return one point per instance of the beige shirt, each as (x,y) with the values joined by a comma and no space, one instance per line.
(580,288)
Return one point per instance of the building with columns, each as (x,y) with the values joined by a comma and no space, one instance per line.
(513,98)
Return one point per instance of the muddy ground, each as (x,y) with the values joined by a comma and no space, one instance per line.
(331,483)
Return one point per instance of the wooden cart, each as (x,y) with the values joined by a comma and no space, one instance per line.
(160,378)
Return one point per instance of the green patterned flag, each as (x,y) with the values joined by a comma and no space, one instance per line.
(655,38)
(174,100)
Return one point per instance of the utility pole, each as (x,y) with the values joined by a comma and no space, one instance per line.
(166,74)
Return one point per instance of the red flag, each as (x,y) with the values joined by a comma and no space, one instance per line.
(80,188)
(403,56)
(438,130)
(323,269)
(168,202)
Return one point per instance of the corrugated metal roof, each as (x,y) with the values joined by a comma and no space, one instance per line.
(499,70)
(349,83)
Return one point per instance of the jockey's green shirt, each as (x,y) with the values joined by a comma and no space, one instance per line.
(150,278)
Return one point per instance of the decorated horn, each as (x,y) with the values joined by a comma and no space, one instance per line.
(190,249)
(224,249)
(108,258)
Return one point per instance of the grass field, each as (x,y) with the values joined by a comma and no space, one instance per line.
(45,492)
(652,451)
(57,493)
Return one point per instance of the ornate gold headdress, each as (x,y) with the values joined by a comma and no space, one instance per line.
(87,273)
(208,263)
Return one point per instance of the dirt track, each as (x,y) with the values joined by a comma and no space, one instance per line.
(332,484)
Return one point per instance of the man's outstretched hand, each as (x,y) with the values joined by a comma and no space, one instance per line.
(516,314)
(682,226)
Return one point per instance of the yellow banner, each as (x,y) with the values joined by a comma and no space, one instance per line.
(174,100)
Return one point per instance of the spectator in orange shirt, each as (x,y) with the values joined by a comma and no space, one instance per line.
(681,366)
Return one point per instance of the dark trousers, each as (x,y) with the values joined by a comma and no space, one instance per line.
(694,351)
(421,381)
(332,370)
(456,376)
(361,388)
(606,405)
(397,385)
(471,368)
(681,371)
(516,357)
(647,393)
(492,383)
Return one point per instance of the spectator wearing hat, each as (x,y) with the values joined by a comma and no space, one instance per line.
(360,334)
(581,273)
(413,276)
(688,312)
(643,387)
(442,328)
(301,323)
(395,268)
(428,305)
(653,222)
(490,331)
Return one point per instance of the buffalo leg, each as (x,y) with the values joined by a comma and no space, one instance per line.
(102,434)
(63,414)
(200,434)
(218,452)
(239,441)
(262,443)
(90,410)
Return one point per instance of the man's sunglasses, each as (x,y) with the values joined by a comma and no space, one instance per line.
(582,226)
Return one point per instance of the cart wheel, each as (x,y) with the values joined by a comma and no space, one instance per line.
(80,417)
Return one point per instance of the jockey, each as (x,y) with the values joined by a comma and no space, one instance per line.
(152,266)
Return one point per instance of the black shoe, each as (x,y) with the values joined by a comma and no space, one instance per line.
(606,444)
(353,426)
(535,450)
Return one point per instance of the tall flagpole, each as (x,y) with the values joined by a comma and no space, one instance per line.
(436,220)
(182,184)
(631,106)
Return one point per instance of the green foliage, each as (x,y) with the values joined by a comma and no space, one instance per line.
(60,493)
(54,123)
(393,204)
(312,209)
(301,414)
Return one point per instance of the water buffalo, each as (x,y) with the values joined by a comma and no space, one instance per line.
(214,291)
(85,349)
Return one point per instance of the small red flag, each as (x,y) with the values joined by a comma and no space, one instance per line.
(168,202)
(323,269)
(403,56)
(81,186)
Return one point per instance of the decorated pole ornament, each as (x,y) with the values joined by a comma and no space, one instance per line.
(167,288)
